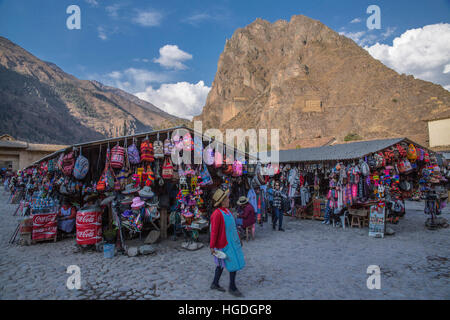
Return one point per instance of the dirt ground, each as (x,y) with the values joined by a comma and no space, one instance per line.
(308,261)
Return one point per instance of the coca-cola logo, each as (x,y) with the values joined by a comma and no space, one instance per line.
(86,234)
(88,218)
(43,219)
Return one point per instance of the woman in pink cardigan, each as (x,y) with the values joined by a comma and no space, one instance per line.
(224,237)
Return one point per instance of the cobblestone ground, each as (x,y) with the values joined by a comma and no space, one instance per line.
(308,261)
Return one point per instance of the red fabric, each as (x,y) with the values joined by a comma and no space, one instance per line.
(248,216)
(218,237)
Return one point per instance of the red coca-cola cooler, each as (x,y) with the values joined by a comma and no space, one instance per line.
(44,226)
(89,226)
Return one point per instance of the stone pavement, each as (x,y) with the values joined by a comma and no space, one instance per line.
(308,261)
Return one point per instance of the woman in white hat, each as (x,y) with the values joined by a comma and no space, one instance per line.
(224,237)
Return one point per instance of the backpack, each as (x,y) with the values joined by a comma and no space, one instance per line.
(218,160)
(167,170)
(147,151)
(158,148)
(107,180)
(117,157)
(420,154)
(133,154)
(209,156)
(412,153)
(51,165)
(81,167)
(198,147)
(68,163)
(110,179)
(59,163)
(379,159)
(404,166)
(150,177)
(401,151)
(168,146)
(187,142)
(237,168)
(206,177)
(364,168)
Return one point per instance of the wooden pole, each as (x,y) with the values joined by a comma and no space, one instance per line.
(110,216)
(163,222)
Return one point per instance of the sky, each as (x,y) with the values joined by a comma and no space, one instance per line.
(166,52)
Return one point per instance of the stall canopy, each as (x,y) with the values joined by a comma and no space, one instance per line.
(344,151)
(163,134)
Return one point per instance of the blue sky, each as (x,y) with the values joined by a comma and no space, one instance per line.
(120,41)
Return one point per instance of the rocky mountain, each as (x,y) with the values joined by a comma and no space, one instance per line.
(39,102)
(310,82)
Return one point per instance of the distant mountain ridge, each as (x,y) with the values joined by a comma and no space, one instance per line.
(310,82)
(39,102)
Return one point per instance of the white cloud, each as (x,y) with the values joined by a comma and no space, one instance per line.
(170,56)
(197,18)
(356,20)
(446,68)
(389,32)
(141,60)
(148,18)
(360,37)
(182,99)
(355,36)
(132,79)
(113,10)
(422,52)
(93,3)
(102,33)
(365,38)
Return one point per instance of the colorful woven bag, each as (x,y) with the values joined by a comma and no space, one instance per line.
(147,151)
(117,157)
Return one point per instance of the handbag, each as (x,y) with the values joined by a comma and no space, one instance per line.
(168,145)
(117,156)
(205,176)
(167,171)
(125,172)
(133,154)
(158,148)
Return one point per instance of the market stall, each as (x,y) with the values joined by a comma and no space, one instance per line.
(345,183)
(134,187)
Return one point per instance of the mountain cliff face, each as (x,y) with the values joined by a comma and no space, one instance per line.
(308,81)
(41,103)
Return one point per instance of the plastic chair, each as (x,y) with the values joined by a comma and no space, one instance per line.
(344,218)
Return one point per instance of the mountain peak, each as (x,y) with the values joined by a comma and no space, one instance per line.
(70,110)
(307,80)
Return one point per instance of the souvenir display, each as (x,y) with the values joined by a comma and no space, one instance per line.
(135,179)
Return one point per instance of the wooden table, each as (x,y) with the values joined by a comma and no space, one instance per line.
(361,210)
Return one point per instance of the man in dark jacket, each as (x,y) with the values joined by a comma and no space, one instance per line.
(248,215)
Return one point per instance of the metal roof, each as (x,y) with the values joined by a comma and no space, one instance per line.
(138,135)
(13,144)
(344,151)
